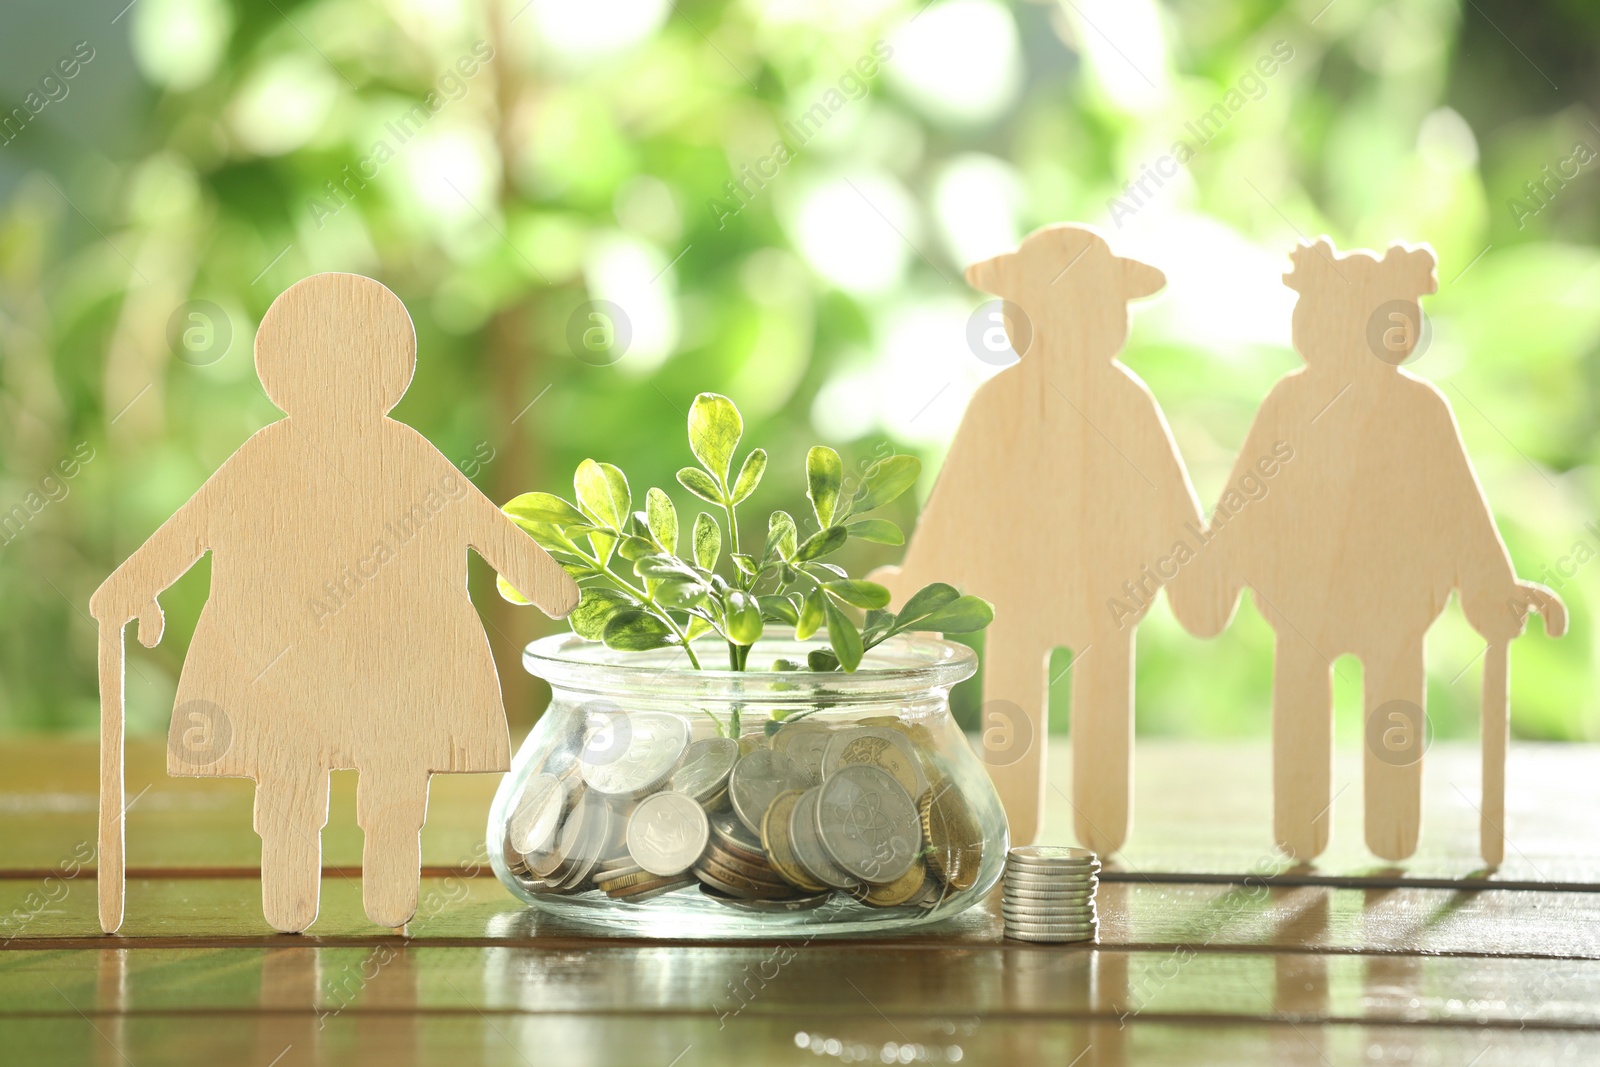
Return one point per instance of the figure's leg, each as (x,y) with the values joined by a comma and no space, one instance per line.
(1102,740)
(1015,680)
(390,806)
(290,814)
(1302,747)
(1396,734)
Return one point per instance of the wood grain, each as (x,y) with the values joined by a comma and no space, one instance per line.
(1071,448)
(1352,512)
(338,632)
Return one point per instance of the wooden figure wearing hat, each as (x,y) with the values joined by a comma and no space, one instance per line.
(1061,496)
(338,632)
(1351,514)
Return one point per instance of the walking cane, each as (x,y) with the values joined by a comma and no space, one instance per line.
(110,862)
(1497,723)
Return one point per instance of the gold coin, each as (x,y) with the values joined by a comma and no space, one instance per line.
(907,887)
(625,881)
(884,754)
(778,845)
(655,886)
(955,841)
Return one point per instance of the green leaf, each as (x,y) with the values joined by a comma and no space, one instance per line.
(743,620)
(662,518)
(781,535)
(812,614)
(588,620)
(877,626)
(878,531)
(824,541)
(700,484)
(824,475)
(928,599)
(544,507)
(822,660)
(681,595)
(509,592)
(859,593)
(602,543)
(714,431)
(699,624)
(885,480)
(966,615)
(636,630)
(844,638)
(633,548)
(707,540)
(603,491)
(755,465)
(745,562)
(665,569)
(778,609)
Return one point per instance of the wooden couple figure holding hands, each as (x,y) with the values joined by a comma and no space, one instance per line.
(1351,513)
(338,633)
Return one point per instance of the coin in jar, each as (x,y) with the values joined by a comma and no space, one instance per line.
(806,743)
(629,755)
(667,832)
(808,851)
(876,746)
(955,840)
(902,890)
(779,845)
(537,816)
(759,777)
(705,768)
(868,823)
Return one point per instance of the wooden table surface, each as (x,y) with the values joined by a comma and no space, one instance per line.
(1434,962)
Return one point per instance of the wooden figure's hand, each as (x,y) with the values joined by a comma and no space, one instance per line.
(116,603)
(1505,619)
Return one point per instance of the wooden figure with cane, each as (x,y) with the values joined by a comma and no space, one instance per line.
(338,632)
(1373,520)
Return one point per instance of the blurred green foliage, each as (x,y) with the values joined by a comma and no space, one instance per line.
(780,197)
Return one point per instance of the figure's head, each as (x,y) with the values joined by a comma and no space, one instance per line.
(1067,282)
(1356,309)
(336,347)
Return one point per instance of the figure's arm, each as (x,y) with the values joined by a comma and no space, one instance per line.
(516,556)
(131,590)
(1206,591)
(1495,601)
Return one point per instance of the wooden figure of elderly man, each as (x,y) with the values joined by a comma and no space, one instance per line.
(1061,495)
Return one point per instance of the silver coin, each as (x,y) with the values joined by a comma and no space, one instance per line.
(537,816)
(806,743)
(592,826)
(1051,892)
(1029,935)
(1052,854)
(842,739)
(757,779)
(629,755)
(1075,914)
(734,834)
(1036,877)
(807,843)
(806,903)
(667,832)
(705,768)
(868,824)
(1063,925)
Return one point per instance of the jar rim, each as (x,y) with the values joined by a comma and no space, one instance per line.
(901,665)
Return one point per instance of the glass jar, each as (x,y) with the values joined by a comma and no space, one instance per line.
(674,802)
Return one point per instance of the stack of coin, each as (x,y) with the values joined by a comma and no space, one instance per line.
(636,809)
(1049,893)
